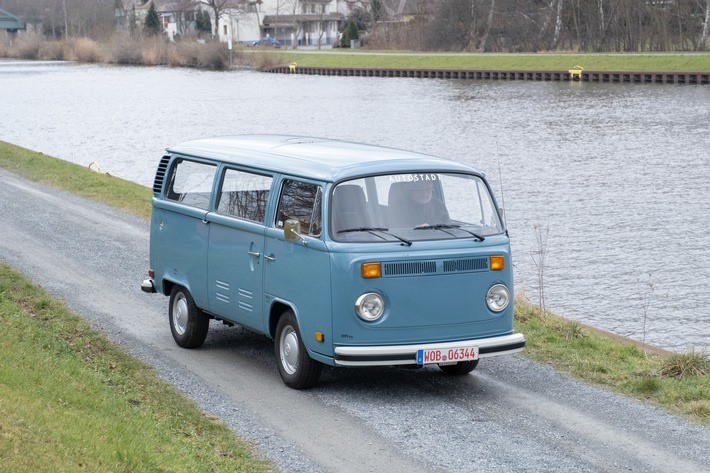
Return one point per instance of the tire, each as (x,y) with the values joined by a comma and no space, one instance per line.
(188,323)
(297,369)
(463,367)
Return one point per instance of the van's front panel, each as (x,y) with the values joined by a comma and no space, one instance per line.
(429,296)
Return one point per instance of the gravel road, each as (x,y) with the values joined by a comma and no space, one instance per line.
(508,415)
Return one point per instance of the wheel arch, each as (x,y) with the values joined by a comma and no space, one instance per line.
(277,308)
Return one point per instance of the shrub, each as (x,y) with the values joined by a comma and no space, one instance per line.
(124,49)
(55,51)
(153,52)
(261,60)
(85,50)
(213,56)
(175,59)
(692,363)
(185,53)
(26,47)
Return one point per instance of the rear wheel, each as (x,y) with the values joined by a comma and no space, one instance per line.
(297,369)
(462,367)
(188,323)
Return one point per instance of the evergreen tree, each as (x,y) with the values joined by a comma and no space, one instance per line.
(203,22)
(350,32)
(152,24)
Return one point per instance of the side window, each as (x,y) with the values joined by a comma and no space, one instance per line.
(191,183)
(244,195)
(302,201)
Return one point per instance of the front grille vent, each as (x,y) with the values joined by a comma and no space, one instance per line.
(409,268)
(471,264)
(160,175)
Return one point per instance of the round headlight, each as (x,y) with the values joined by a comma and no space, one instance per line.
(498,298)
(370,307)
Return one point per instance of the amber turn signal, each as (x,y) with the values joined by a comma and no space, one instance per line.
(371,270)
(319,337)
(497,263)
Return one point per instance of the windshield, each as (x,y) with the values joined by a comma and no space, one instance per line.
(413,206)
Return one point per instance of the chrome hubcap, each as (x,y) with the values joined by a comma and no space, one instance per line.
(180,315)
(289,350)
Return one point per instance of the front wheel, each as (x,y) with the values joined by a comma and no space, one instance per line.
(462,367)
(297,369)
(188,323)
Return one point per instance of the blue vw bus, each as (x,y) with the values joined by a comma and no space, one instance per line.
(344,254)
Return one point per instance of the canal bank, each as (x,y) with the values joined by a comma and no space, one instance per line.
(577,75)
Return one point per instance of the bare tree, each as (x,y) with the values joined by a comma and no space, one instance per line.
(183,11)
(706,27)
(321,19)
(539,257)
(297,25)
(558,24)
(220,8)
(489,25)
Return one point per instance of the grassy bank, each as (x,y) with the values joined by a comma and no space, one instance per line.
(122,49)
(72,401)
(679,383)
(556,62)
(134,50)
(67,176)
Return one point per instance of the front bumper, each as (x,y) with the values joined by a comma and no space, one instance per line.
(407,354)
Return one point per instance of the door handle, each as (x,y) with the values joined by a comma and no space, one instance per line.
(255,254)
(270,257)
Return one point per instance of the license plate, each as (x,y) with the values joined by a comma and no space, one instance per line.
(446,355)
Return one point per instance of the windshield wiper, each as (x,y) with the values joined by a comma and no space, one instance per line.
(363,229)
(375,229)
(444,226)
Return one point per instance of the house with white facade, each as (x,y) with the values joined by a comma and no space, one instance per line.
(299,22)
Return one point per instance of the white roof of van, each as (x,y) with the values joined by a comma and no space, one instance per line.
(315,158)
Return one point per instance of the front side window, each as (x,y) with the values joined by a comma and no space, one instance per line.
(413,206)
(244,195)
(191,183)
(302,201)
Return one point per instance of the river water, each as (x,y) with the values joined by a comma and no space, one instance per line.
(615,177)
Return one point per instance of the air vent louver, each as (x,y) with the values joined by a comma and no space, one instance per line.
(409,268)
(160,175)
(460,265)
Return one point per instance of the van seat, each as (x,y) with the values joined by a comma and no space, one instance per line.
(401,212)
(349,208)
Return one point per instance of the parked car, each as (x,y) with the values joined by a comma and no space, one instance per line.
(344,254)
(268,41)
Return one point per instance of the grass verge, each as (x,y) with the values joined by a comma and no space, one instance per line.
(679,383)
(38,167)
(70,400)
(541,62)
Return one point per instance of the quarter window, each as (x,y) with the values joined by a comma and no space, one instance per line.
(244,195)
(191,183)
(301,201)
